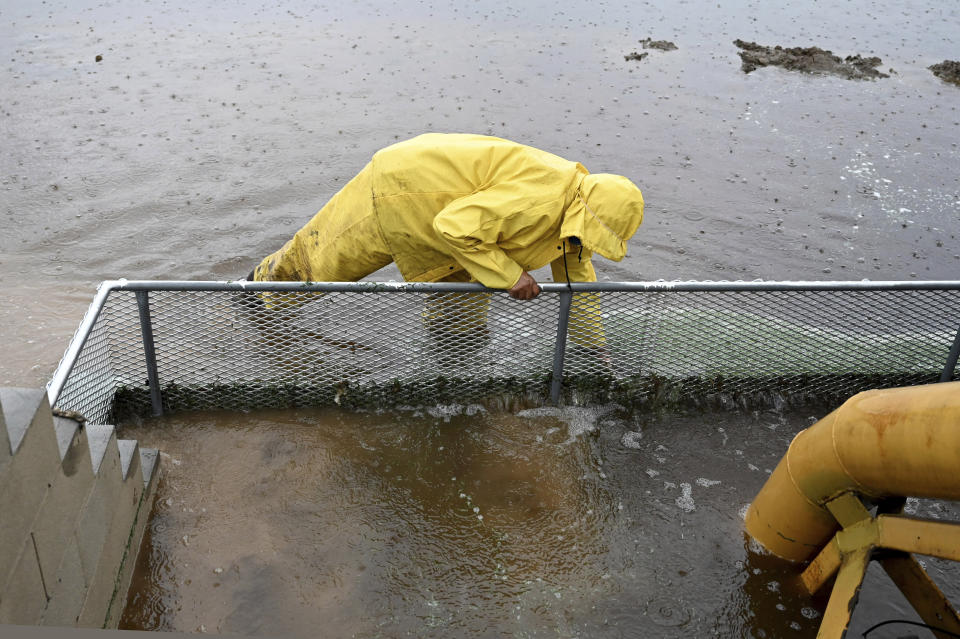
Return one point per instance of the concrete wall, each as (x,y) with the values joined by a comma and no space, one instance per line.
(74,501)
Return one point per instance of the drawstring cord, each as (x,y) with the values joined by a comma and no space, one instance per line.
(565,271)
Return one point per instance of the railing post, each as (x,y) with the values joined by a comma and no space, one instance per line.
(559,350)
(146,331)
(951,359)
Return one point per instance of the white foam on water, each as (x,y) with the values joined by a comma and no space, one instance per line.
(446,411)
(707,483)
(757,548)
(631,439)
(743,511)
(579,419)
(685,500)
(170,460)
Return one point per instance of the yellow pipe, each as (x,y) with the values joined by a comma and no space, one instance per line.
(880,443)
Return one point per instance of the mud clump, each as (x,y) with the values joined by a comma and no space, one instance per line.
(808,60)
(660,45)
(650,43)
(948,71)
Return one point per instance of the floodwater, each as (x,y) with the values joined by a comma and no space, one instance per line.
(457,522)
(208,132)
(168,139)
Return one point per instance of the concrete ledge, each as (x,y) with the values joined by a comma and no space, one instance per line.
(57,517)
(25,479)
(67,590)
(6,452)
(96,517)
(24,601)
(150,469)
(74,504)
(20,407)
(124,507)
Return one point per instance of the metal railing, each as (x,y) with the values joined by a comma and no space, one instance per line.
(149,347)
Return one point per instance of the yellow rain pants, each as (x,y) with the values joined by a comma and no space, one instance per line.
(442,204)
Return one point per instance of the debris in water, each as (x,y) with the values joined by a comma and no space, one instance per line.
(948,71)
(808,60)
(579,420)
(810,613)
(635,56)
(661,45)
(631,439)
(685,501)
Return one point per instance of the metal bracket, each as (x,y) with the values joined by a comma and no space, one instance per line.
(559,351)
(849,553)
(149,353)
(951,364)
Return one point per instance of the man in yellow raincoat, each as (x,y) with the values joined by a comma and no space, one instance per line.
(458,207)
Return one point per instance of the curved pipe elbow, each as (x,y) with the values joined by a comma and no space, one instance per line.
(891,442)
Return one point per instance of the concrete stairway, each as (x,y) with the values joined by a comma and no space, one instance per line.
(74,502)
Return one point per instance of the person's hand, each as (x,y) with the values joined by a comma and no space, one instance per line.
(526,288)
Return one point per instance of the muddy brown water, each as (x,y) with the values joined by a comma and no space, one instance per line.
(458,522)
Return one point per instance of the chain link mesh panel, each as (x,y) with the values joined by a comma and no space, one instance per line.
(772,346)
(240,349)
(111,357)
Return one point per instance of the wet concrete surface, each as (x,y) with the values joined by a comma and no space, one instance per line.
(190,139)
(456,522)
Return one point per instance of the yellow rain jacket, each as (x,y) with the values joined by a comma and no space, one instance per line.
(448,202)
(462,207)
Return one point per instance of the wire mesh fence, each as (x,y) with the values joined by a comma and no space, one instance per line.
(236,345)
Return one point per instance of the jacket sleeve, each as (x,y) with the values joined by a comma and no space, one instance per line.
(474,225)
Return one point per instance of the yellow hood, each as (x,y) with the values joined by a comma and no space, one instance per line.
(605,214)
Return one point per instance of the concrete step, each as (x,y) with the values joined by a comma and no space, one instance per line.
(74,501)
(24,481)
(6,453)
(150,475)
(148,463)
(56,520)
(116,538)
(100,552)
